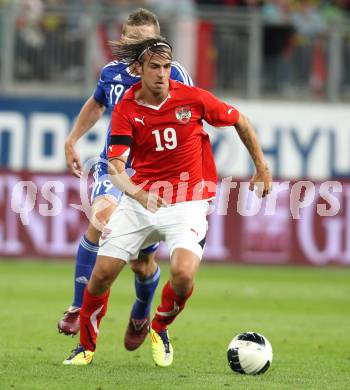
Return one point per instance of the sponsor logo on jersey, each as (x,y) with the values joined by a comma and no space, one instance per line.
(183,114)
(118,78)
(140,120)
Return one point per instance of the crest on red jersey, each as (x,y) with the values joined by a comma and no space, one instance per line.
(183,114)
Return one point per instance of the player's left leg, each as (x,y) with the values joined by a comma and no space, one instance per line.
(147,274)
(104,199)
(176,292)
(184,226)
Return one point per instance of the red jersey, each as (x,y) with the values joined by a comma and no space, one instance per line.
(170,152)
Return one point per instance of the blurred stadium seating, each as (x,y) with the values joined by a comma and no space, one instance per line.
(275,50)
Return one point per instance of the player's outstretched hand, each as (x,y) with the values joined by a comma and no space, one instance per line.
(150,201)
(73,160)
(263,181)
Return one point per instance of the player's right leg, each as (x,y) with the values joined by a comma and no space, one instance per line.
(94,308)
(104,199)
(122,239)
(84,264)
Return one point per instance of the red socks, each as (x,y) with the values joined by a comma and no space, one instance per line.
(171,305)
(94,308)
(91,313)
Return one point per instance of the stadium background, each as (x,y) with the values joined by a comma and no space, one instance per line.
(283,63)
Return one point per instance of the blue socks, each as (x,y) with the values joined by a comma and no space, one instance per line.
(145,290)
(84,264)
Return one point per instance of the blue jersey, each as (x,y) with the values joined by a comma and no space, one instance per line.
(116,79)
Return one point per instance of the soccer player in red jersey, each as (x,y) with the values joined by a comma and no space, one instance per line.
(158,126)
(115,79)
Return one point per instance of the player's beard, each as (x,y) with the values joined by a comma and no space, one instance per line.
(159,91)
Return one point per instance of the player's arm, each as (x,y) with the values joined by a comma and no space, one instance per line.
(262,177)
(118,153)
(119,178)
(220,114)
(90,113)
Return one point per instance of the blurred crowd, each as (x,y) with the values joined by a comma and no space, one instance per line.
(295,40)
(50,39)
(294,35)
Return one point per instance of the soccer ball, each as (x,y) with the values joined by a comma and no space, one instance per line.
(249,353)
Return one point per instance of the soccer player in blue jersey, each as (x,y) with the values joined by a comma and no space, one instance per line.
(116,77)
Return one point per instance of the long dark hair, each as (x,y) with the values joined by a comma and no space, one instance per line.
(130,51)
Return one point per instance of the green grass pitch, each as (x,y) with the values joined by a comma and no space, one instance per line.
(304,312)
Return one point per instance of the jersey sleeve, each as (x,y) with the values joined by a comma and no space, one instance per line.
(100,91)
(179,73)
(121,135)
(216,112)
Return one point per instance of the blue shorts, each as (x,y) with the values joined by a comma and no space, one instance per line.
(150,249)
(103,186)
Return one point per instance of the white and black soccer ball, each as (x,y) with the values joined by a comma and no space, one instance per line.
(249,353)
